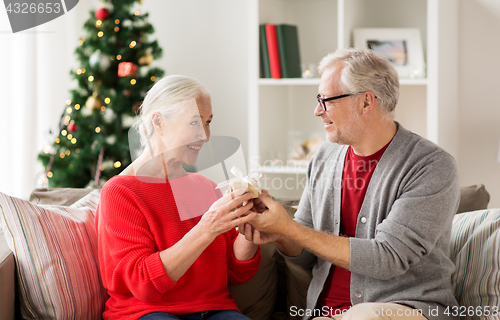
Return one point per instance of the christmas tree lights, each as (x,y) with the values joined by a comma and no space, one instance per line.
(113,76)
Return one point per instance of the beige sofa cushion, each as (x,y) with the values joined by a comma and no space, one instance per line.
(297,283)
(473,198)
(58,196)
(256,298)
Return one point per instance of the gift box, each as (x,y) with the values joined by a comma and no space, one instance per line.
(250,188)
(249,182)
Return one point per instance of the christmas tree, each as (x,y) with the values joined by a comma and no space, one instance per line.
(113,77)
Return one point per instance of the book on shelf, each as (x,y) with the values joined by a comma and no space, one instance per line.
(279,51)
(288,46)
(273,51)
(264,55)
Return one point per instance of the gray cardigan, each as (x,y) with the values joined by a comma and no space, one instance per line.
(401,249)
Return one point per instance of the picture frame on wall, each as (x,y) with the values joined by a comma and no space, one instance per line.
(402,46)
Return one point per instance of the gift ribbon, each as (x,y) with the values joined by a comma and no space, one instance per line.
(251,178)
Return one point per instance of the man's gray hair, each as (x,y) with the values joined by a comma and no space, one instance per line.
(366,70)
(164,98)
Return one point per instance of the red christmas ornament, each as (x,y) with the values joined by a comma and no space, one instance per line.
(126,93)
(72,127)
(126,69)
(102,14)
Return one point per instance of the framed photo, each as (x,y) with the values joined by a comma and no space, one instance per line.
(402,46)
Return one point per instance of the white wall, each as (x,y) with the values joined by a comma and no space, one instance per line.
(479,89)
(208,41)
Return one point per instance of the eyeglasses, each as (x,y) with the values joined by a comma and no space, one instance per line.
(323,100)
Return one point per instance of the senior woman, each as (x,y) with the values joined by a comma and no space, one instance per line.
(167,242)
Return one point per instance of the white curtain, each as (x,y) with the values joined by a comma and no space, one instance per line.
(34,86)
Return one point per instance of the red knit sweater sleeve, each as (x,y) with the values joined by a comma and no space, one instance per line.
(129,261)
(241,271)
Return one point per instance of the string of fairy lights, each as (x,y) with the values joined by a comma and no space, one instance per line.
(68,128)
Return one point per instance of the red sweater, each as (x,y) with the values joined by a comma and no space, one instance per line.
(135,220)
(358,171)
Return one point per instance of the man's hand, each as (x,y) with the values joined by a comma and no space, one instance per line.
(257,237)
(249,231)
(274,219)
(258,205)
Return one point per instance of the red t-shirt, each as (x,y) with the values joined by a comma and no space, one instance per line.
(138,218)
(357,173)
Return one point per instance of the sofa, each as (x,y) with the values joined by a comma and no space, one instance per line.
(48,267)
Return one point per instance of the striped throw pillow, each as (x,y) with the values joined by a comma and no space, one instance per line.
(475,249)
(56,255)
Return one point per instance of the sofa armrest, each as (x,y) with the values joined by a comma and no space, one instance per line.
(7,280)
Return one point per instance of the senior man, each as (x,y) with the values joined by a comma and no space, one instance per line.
(375,218)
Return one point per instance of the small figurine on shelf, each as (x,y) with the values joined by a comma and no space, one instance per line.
(305,150)
(249,182)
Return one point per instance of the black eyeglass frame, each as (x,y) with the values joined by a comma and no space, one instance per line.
(323,100)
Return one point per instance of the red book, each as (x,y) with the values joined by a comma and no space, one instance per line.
(272,47)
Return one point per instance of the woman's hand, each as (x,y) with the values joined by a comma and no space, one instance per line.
(259,207)
(244,249)
(222,216)
(231,210)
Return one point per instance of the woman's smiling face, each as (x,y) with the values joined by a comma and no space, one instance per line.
(185,134)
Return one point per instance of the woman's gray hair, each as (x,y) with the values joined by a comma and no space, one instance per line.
(366,70)
(164,98)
